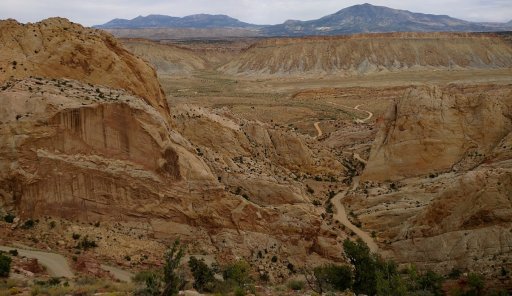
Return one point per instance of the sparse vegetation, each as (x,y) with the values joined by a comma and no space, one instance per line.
(85,244)
(203,275)
(237,279)
(329,207)
(5,265)
(152,283)
(296,285)
(9,218)
(28,224)
(173,280)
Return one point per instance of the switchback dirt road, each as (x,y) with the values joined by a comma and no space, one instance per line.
(341,216)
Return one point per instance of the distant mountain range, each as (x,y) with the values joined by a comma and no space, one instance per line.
(365,18)
(198,21)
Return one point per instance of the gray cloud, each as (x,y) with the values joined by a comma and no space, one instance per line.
(92,12)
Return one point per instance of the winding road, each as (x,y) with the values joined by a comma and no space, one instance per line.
(341,216)
(370,114)
(57,265)
(318,129)
(358,120)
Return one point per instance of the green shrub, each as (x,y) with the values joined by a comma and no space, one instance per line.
(238,272)
(476,284)
(151,281)
(334,277)
(174,282)
(54,281)
(431,281)
(264,277)
(9,218)
(296,285)
(455,273)
(28,224)
(329,207)
(365,277)
(141,276)
(86,243)
(5,265)
(239,291)
(203,275)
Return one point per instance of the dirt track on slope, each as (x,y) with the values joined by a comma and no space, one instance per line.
(341,216)
(55,264)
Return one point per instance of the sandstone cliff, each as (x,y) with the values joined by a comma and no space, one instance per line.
(430,130)
(448,152)
(90,153)
(57,48)
(95,152)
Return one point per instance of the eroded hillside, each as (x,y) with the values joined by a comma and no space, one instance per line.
(57,48)
(366,54)
(437,186)
(90,153)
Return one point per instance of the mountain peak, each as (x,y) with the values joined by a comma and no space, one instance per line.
(361,18)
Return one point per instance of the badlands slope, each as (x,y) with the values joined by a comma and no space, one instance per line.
(373,53)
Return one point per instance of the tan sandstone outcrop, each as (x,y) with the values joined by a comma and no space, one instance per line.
(431,130)
(70,151)
(88,153)
(449,152)
(57,48)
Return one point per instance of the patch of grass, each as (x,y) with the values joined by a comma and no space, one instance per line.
(296,285)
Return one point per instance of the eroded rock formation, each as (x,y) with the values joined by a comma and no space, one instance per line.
(104,149)
(57,48)
(447,151)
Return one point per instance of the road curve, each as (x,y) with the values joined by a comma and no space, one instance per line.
(120,274)
(318,129)
(370,114)
(341,216)
(55,264)
(358,120)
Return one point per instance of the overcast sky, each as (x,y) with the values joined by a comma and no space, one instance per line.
(94,12)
